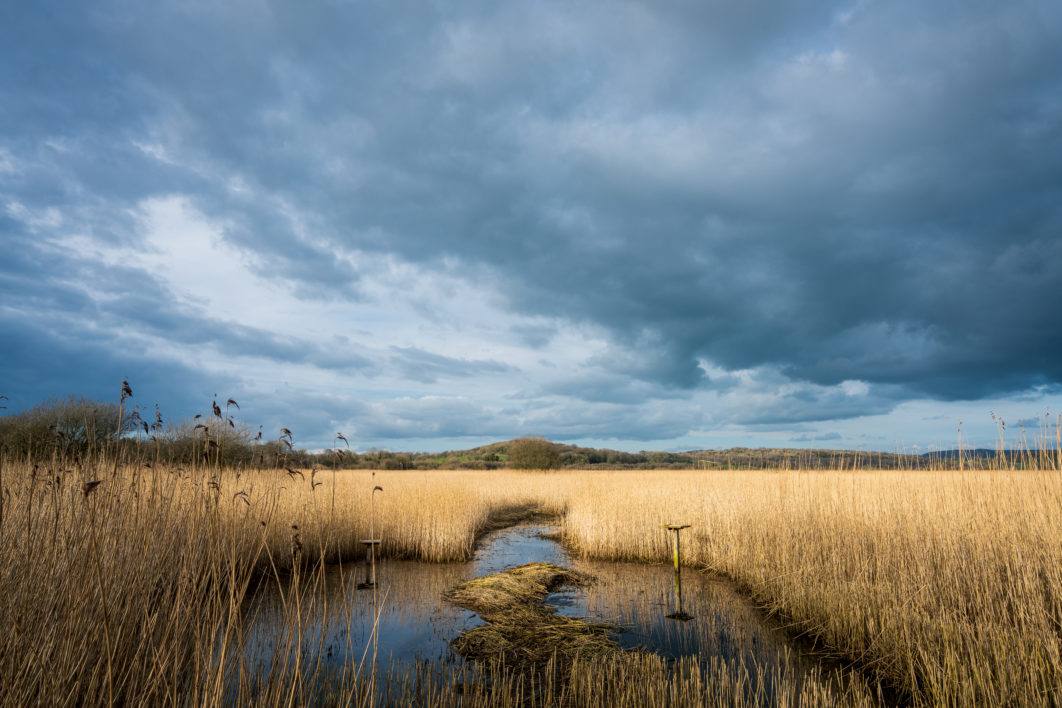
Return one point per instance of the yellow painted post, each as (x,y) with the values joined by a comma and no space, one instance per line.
(679,614)
(675,528)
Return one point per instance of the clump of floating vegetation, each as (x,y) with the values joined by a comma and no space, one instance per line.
(519,627)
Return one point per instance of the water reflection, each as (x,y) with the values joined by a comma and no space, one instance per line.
(643,598)
(518,545)
(670,614)
(678,613)
(415,625)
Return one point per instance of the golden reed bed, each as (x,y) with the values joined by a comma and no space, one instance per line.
(948,585)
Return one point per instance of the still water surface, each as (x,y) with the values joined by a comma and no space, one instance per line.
(416,624)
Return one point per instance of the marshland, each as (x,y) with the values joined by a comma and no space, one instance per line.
(130,579)
(407,330)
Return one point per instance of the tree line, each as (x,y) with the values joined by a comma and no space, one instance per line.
(77,428)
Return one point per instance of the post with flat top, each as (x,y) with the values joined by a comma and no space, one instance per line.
(675,528)
(370,545)
(370,563)
(679,614)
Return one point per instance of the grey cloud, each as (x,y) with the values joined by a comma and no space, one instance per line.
(429,417)
(600,385)
(190,328)
(457,417)
(767,399)
(824,437)
(81,296)
(313,417)
(42,362)
(808,187)
(534,336)
(423,366)
(566,420)
(1035,424)
(808,407)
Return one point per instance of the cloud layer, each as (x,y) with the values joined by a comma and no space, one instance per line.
(642,222)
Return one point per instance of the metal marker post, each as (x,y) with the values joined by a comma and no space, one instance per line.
(679,614)
(675,528)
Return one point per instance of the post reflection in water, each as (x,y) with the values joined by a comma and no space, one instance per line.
(415,624)
(678,614)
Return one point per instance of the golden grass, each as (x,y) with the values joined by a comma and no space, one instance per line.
(947,584)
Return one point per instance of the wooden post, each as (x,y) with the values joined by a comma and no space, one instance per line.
(370,563)
(679,614)
(675,528)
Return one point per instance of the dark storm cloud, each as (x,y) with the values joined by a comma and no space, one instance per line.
(829,191)
(52,355)
(41,362)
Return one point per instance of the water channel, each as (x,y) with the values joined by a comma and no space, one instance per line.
(416,625)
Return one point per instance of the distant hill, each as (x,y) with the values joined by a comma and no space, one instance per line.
(979,453)
(496,456)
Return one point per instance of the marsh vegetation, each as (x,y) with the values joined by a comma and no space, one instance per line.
(134,582)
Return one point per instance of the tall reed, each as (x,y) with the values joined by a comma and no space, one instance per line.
(947,585)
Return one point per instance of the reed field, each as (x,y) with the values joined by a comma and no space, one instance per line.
(945,586)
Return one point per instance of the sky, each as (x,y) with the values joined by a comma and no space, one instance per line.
(669,224)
